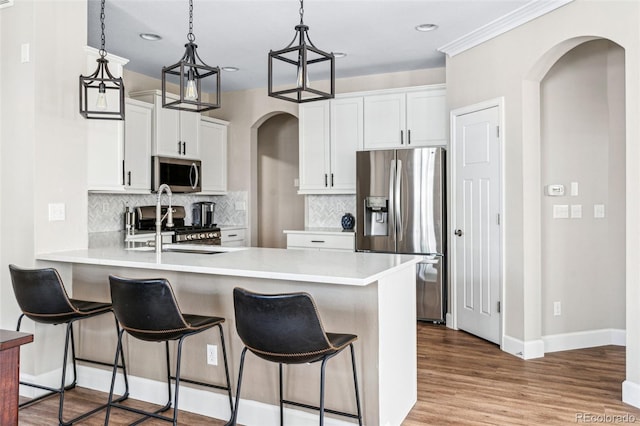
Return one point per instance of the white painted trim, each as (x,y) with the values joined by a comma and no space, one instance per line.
(525,350)
(520,16)
(448,319)
(112,58)
(192,399)
(631,393)
(6,3)
(584,339)
(452,317)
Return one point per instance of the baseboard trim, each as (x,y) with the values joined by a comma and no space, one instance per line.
(192,399)
(584,339)
(631,393)
(525,350)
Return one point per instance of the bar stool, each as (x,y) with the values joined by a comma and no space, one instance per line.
(147,310)
(42,298)
(286,328)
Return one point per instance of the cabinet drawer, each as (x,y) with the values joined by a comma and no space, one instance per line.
(322,241)
(229,235)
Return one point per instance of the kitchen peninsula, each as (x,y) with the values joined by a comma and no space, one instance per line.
(371,295)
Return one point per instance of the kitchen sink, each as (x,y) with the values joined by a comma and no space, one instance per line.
(191,250)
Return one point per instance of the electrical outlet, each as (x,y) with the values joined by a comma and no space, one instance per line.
(557,309)
(212,354)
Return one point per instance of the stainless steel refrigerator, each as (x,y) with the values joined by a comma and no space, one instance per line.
(401,209)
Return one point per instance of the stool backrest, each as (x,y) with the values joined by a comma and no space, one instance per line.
(280,327)
(41,294)
(147,308)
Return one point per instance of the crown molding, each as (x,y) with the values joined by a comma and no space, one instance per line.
(6,3)
(520,16)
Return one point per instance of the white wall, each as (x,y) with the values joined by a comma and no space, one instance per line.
(512,66)
(582,140)
(42,152)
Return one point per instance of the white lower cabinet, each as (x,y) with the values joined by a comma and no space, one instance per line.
(325,240)
(233,237)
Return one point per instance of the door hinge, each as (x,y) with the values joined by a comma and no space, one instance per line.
(499,306)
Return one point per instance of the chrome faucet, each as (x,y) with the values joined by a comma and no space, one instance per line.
(159,218)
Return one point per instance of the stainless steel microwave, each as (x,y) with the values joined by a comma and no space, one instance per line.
(181,175)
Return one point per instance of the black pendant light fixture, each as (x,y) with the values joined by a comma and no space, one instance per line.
(294,64)
(98,90)
(191,74)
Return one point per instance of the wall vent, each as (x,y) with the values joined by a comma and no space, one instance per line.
(6,3)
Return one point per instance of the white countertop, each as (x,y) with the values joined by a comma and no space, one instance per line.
(320,231)
(346,268)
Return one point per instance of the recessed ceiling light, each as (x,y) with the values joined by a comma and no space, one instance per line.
(426,27)
(339,54)
(150,37)
(230,69)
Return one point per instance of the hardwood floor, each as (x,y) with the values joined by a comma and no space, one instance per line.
(462,380)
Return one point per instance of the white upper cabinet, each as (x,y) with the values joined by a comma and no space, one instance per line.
(330,133)
(406,119)
(213,150)
(120,151)
(137,146)
(175,132)
(313,129)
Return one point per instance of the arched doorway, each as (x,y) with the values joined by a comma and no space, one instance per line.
(550,272)
(279,207)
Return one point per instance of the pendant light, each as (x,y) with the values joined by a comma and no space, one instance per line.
(97,89)
(299,87)
(192,76)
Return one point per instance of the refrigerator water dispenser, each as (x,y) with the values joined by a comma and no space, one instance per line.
(375,216)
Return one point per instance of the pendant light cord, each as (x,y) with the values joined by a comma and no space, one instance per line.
(190,35)
(103,52)
(301,12)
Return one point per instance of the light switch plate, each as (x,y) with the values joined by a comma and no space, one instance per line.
(574,189)
(598,211)
(576,211)
(56,211)
(560,211)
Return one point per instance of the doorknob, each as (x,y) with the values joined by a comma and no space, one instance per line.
(458,232)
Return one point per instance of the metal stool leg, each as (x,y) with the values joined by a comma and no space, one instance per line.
(226,366)
(355,383)
(322,375)
(113,376)
(234,416)
(281,396)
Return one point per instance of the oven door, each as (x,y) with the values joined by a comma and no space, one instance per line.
(181,175)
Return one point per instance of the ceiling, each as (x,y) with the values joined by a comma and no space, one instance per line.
(378,36)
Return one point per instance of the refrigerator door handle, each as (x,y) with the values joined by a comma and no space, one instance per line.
(398,200)
(392,198)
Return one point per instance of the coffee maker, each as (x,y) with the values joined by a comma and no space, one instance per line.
(203,214)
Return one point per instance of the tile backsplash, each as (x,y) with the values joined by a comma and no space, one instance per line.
(106,211)
(326,211)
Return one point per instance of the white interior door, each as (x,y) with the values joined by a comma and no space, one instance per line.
(477,238)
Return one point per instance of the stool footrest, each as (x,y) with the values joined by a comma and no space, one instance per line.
(92,361)
(155,414)
(195,382)
(326,410)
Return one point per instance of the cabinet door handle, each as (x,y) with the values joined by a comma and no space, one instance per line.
(232,235)
(408,137)
(332,180)
(317,241)
(179,147)
(401,137)
(325,180)
(184,148)
(129,178)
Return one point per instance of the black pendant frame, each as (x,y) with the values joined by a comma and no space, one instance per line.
(302,92)
(191,63)
(101,79)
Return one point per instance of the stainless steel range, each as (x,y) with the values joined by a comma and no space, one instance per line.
(145,220)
